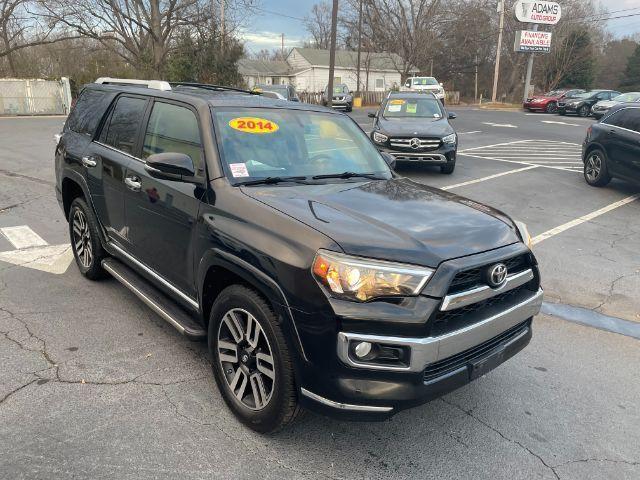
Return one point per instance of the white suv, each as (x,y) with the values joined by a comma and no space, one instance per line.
(425,84)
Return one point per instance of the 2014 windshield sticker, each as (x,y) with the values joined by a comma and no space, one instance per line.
(253,125)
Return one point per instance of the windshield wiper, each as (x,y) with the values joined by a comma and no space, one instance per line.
(345,175)
(274,180)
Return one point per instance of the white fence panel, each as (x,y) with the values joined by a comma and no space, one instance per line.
(34,97)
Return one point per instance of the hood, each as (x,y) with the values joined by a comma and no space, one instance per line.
(544,97)
(397,220)
(426,87)
(606,103)
(419,127)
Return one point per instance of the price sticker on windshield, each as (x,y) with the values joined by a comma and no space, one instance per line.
(397,101)
(253,125)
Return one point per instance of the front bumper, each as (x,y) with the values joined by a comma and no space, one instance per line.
(437,365)
(534,106)
(441,156)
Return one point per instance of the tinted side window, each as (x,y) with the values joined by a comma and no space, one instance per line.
(628,118)
(88,111)
(123,125)
(173,128)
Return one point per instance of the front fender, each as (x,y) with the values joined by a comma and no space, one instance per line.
(262,282)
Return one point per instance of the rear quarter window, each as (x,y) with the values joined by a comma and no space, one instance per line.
(88,111)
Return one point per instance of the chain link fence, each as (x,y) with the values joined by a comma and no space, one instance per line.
(35,97)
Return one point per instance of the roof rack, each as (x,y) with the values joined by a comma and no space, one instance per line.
(154,84)
(208,86)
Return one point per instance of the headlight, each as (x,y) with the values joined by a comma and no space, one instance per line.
(450,139)
(524,234)
(379,138)
(361,279)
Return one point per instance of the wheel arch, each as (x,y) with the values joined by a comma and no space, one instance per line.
(71,189)
(219,269)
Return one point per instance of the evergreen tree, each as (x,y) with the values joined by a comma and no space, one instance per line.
(631,79)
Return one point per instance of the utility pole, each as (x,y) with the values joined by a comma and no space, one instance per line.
(359,47)
(475,94)
(332,52)
(527,78)
(496,72)
(282,48)
(431,68)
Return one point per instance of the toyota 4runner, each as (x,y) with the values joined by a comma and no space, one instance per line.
(277,232)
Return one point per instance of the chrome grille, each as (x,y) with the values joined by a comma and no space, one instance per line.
(427,143)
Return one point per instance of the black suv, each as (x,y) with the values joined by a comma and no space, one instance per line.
(612,146)
(414,127)
(277,232)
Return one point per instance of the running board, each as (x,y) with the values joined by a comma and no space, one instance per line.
(155,299)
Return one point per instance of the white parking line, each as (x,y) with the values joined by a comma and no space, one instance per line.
(501,125)
(22,237)
(478,180)
(519,162)
(580,220)
(469,133)
(562,123)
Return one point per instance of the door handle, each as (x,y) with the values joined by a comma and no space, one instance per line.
(133,183)
(89,161)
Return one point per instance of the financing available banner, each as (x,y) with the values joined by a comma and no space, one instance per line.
(532,41)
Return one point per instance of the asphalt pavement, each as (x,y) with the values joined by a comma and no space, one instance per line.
(95,385)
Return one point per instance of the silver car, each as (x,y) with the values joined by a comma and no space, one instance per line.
(603,106)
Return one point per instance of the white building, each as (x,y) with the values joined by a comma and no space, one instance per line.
(308,70)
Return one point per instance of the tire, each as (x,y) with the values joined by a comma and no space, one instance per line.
(584,111)
(264,394)
(349,108)
(552,107)
(596,172)
(448,168)
(85,240)
(562,113)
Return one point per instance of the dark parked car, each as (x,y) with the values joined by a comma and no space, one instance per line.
(342,98)
(278,233)
(601,108)
(414,127)
(581,104)
(549,101)
(288,92)
(612,146)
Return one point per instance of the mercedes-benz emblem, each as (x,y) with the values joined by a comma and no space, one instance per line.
(497,275)
(414,143)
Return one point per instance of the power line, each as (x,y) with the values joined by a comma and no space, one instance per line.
(271,12)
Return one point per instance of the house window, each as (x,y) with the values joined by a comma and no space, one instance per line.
(379,82)
(337,80)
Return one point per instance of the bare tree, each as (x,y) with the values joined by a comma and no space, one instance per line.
(140,31)
(318,24)
(20,28)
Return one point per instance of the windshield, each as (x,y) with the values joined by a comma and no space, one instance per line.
(412,107)
(627,97)
(260,143)
(425,81)
(338,89)
(584,95)
(554,93)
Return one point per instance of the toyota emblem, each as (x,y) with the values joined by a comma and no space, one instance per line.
(414,143)
(497,275)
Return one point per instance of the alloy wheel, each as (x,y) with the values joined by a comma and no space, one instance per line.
(246,359)
(593,167)
(82,238)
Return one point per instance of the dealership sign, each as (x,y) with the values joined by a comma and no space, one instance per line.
(532,41)
(547,13)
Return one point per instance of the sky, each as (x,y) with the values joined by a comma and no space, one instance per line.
(263,30)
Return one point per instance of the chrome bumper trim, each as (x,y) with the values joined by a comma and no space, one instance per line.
(475,295)
(432,349)
(419,157)
(343,406)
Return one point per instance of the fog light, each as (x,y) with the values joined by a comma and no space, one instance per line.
(363,349)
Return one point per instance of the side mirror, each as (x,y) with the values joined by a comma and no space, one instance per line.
(389,159)
(371,114)
(171,166)
(452,116)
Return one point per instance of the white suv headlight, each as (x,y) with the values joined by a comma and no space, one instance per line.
(361,279)
(379,138)
(449,139)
